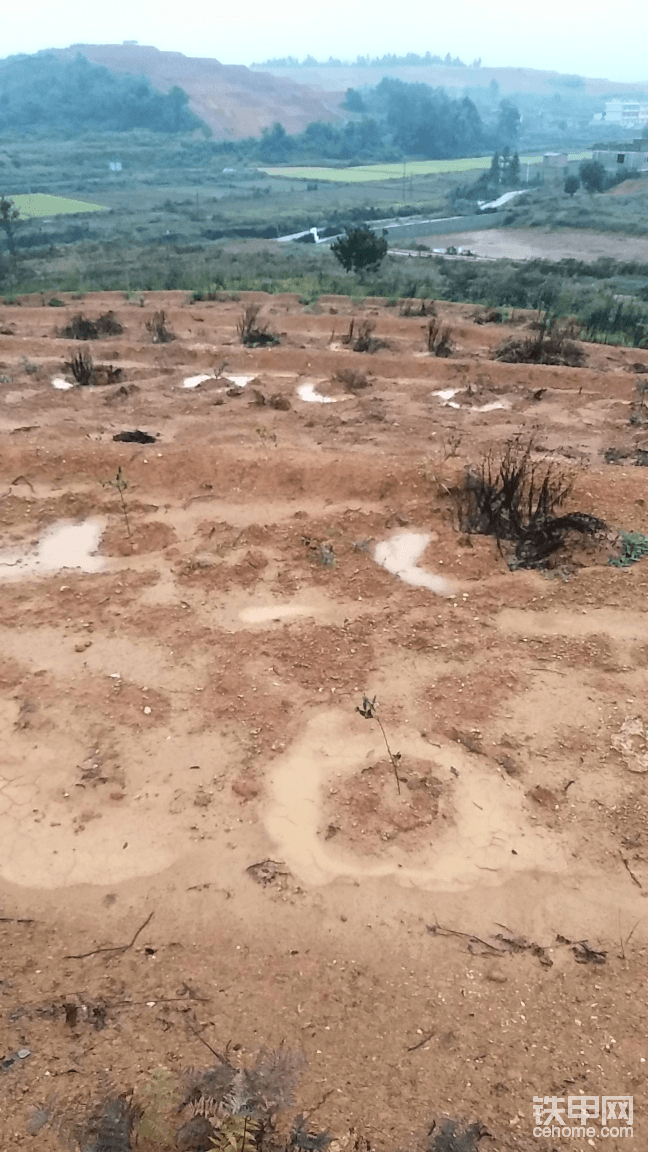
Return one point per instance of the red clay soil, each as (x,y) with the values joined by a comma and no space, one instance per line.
(189,710)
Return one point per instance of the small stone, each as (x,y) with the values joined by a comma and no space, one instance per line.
(147,711)
(202,799)
(280,403)
(244,790)
(544,797)
(509,765)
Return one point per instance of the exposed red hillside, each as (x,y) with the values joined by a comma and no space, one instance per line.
(233,100)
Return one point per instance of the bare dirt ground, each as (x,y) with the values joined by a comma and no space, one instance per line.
(187,710)
(637,187)
(538,244)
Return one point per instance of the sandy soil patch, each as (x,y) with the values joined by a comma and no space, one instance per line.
(538,244)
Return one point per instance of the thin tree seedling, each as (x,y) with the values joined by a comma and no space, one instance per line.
(121,484)
(369,709)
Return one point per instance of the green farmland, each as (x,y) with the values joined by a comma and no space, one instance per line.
(39,204)
(364,173)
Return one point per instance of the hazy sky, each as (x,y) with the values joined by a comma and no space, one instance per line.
(591,37)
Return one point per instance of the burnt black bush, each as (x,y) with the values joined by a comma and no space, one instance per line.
(82,328)
(514,498)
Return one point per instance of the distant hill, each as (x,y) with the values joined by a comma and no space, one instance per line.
(336,78)
(234,101)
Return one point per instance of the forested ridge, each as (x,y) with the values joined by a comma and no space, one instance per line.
(43,93)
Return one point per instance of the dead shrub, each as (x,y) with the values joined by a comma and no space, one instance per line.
(439,341)
(637,456)
(279,403)
(417,308)
(253,332)
(513,498)
(488,316)
(639,409)
(553,343)
(81,328)
(81,366)
(87,373)
(363,340)
(157,329)
(109,325)
(351,381)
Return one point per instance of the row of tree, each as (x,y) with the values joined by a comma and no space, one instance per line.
(594,177)
(42,93)
(400,120)
(389,60)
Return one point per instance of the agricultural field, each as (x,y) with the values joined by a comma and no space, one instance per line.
(364,173)
(39,204)
(215,555)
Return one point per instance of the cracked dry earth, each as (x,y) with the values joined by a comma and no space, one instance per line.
(180,706)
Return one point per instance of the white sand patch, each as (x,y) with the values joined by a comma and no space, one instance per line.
(307,392)
(492,406)
(62,546)
(400,556)
(240,381)
(196,381)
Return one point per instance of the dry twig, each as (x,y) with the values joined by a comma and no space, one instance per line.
(115,948)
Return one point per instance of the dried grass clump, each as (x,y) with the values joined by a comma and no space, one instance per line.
(417,308)
(350,380)
(363,339)
(439,342)
(553,343)
(157,329)
(488,316)
(254,333)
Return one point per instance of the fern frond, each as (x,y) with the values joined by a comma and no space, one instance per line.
(160,1100)
(273,1078)
(211,1083)
(208,1107)
(239,1099)
(237,1134)
(107,1128)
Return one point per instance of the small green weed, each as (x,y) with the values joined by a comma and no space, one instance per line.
(634,546)
(120,484)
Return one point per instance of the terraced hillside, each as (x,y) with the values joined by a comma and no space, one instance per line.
(201,837)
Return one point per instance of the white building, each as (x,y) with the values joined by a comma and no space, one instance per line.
(622,161)
(625,113)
